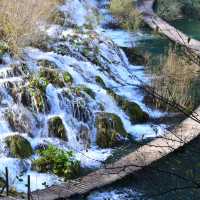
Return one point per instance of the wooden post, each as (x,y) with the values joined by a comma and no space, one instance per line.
(7,182)
(29,188)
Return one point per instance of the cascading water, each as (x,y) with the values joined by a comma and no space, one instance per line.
(98,72)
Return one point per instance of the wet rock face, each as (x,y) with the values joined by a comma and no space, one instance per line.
(81,112)
(110,130)
(84,136)
(79,103)
(57,129)
(18,146)
(132,109)
(37,92)
(20,120)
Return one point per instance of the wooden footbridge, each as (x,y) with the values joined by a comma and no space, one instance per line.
(188,130)
(163,27)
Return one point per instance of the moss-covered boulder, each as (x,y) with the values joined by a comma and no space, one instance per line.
(20,119)
(18,146)
(82,88)
(132,109)
(47,64)
(55,77)
(83,136)
(100,82)
(37,92)
(110,130)
(56,128)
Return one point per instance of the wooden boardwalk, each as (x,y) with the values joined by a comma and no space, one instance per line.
(144,156)
(160,25)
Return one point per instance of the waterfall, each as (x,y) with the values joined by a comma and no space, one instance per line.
(80,71)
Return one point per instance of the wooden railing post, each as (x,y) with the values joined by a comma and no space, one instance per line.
(7,181)
(29,188)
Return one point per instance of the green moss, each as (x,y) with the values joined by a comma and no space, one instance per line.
(58,161)
(57,129)
(19,147)
(82,88)
(67,78)
(55,77)
(100,81)
(110,130)
(37,91)
(132,109)
(3,47)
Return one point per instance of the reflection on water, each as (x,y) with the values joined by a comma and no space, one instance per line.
(190,27)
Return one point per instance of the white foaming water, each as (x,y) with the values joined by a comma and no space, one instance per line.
(121,194)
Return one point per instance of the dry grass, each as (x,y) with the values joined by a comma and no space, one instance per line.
(128,16)
(174,80)
(20,19)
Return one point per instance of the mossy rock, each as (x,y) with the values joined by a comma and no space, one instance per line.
(82,88)
(55,77)
(19,120)
(47,64)
(37,91)
(110,130)
(132,109)
(57,128)
(19,146)
(100,82)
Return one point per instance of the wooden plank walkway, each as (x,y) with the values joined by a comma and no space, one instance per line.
(144,156)
(160,25)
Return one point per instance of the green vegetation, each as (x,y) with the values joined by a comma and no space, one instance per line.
(173,9)
(55,77)
(176,76)
(19,21)
(126,13)
(82,88)
(18,146)
(60,162)
(3,48)
(37,92)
